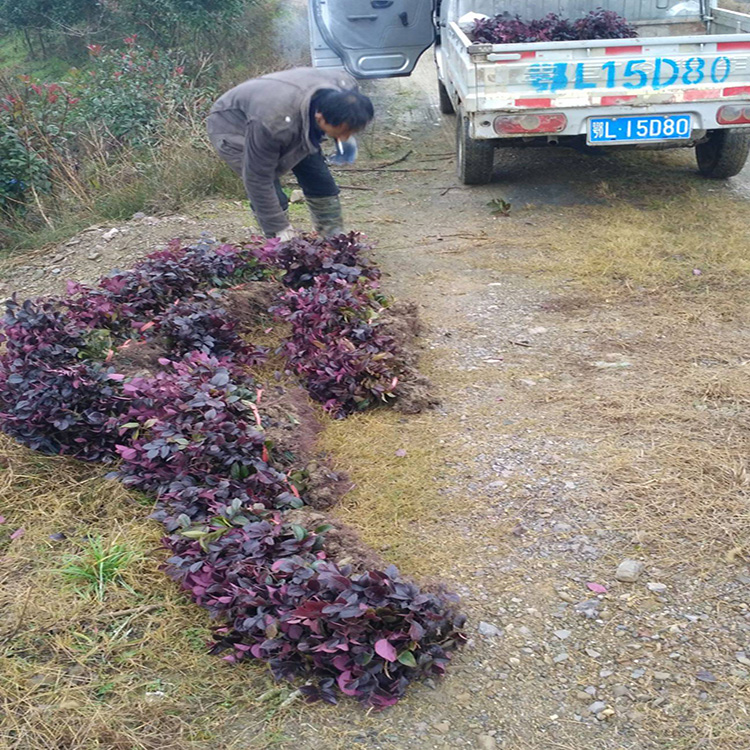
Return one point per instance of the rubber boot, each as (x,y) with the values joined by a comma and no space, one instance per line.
(327,216)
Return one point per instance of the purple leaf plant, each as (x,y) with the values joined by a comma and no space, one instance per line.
(597,24)
(192,435)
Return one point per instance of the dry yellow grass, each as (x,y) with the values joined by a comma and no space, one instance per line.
(397,503)
(674,449)
(130,672)
(664,287)
(694,241)
(408,499)
(646,236)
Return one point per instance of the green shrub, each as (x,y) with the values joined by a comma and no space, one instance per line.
(134,95)
(21,169)
(170,22)
(46,14)
(69,135)
(125,132)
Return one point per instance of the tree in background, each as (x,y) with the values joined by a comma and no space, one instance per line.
(114,130)
(165,23)
(38,18)
(169,22)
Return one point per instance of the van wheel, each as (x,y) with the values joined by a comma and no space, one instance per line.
(724,153)
(475,158)
(446,105)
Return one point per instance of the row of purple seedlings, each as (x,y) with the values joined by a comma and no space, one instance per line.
(192,436)
(596,24)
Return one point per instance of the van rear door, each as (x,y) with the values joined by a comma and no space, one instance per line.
(371,38)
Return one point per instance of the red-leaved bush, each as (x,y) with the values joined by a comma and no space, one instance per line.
(197,423)
(203,325)
(368,635)
(128,300)
(333,306)
(304,258)
(51,399)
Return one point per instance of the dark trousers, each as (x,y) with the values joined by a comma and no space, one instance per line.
(314,178)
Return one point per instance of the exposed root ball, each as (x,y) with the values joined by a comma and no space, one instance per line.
(293,429)
(251,302)
(401,320)
(342,543)
(140,359)
(414,391)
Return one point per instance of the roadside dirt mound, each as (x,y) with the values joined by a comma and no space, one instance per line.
(104,247)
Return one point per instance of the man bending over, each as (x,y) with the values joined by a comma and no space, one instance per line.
(268,126)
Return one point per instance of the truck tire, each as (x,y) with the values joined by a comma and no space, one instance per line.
(446,105)
(475,158)
(724,153)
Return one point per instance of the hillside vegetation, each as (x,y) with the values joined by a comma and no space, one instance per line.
(102,105)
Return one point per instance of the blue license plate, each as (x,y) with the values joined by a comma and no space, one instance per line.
(633,129)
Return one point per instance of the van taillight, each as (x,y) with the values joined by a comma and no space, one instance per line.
(514,124)
(733,114)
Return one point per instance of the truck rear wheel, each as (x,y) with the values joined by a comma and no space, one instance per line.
(475,158)
(446,105)
(724,153)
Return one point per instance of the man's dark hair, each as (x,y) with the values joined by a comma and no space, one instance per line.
(344,108)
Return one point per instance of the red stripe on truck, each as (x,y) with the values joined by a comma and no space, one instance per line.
(610,100)
(736,90)
(521,56)
(533,102)
(694,95)
(728,46)
(623,50)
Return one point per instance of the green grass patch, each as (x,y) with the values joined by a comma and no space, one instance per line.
(15,58)
(100,564)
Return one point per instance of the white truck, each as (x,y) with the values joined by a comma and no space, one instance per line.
(684,81)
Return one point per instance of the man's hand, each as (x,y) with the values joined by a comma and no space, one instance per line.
(287,234)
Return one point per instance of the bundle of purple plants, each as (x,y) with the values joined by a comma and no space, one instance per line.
(336,346)
(507,29)
(56,380)
(202,324)
(190,431)
(305,258)
(53,397)
(129,300)
(195,422)
(367,635)
(333,305)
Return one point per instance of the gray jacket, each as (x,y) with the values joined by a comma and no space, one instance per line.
(261,128)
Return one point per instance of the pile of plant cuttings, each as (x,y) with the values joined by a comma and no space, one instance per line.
(597,24)
(151,370)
